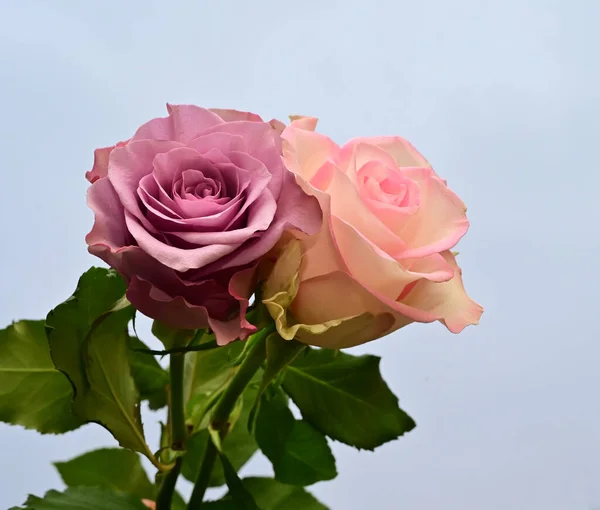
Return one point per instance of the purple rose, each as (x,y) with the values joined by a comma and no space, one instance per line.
(185,209)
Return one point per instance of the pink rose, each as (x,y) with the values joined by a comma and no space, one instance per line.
(186,208)
(150,504)
(382,259)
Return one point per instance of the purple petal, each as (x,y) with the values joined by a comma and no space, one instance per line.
(184,123)
(171,256)
(129,164)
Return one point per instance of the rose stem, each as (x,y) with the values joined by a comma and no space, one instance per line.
(220,418)
(178,430)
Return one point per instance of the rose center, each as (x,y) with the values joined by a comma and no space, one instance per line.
(195,184)
(387,186)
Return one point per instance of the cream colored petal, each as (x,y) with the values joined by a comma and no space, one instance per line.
(377,270)
(440,220)
(400,149)
(448,300)
(304,152)
(303,122)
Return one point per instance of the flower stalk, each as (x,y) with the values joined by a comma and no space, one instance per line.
(220,418)
(178,430)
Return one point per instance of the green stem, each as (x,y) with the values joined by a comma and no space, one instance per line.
(167,487)
(206,468)
(220,417)
(178,431)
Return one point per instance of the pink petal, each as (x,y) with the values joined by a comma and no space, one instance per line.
(128,165)
(295,211)
(305,152)
(303,122)
(277,126)
(260,217)
(109,227)
(353,156)
(347,205)
(100,168)
(259,138)
(439,222)
(377,270)
(174,311)
(321,253)
(233,115)
(448,301)
(404,154)
(184,123)
(223,142)
(179,313)
(241,287)
(173,257)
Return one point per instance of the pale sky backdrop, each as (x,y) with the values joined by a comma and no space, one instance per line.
(503,97)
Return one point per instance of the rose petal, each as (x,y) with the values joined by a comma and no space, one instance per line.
(147,192)
(100,168)
(101,157)
(404,154)
(220,142)
(347,205)
(439,222)
(129,164)
(296,211)
(261,143)
(448,301)
(233,115)
(361,316)
(280,290)
(184,123)
(349,332)
(354,156)
(303,122)
(109,222)
(179,313)
(377,270)
(241,287)
(174,257)
(259,218)
(304,152)
(277,126)
(208,220)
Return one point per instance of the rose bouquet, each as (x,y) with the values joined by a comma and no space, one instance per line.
(259,250)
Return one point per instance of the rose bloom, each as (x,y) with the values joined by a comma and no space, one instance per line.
(382,259)
(186,208)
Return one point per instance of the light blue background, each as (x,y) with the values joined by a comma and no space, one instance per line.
(502,97)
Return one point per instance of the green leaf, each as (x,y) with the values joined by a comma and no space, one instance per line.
(207,373)
(84,498)
(239,445)
(150,378)
(237,492)
(32,392)
(269,494)
(110,468)
(89,345)
(300,454)
(70,322)
(346,398)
